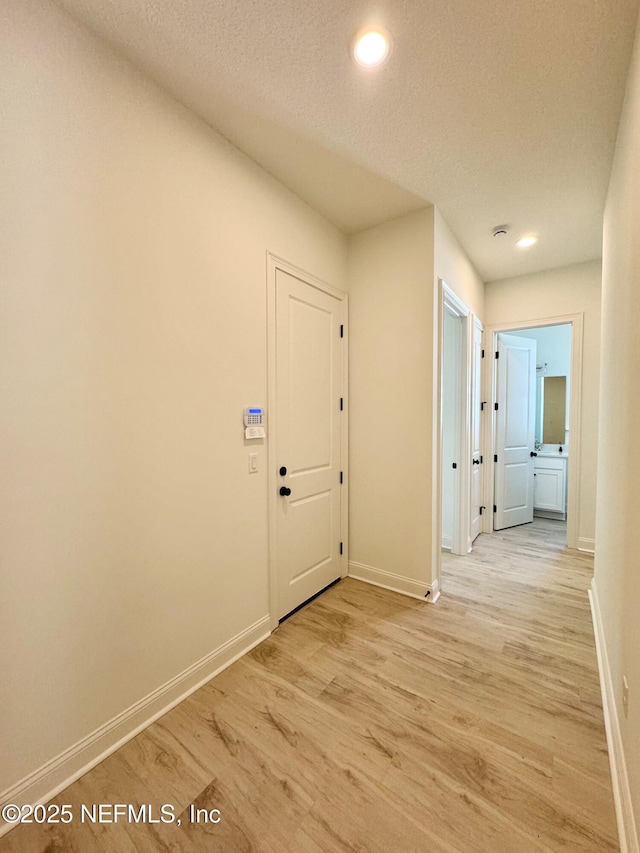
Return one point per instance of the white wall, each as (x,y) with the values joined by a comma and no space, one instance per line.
(617,570)
(532,298)
(553,347)
(133,329)
(391,304)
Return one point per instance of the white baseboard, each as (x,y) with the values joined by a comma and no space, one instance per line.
(549,513)
(447,542)
(586,544)
(396,583)
(619,778)
(54,776)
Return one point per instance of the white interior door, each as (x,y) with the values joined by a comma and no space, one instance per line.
(515,430)
(309,410)
(476,435)
(451,458)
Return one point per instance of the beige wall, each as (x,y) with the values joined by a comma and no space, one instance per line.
(133,333)
(533,298)
(390,410)
(617,572)
(393,363)
(453,266)
(134,541)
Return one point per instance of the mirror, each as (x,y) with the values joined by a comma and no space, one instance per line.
(552,399)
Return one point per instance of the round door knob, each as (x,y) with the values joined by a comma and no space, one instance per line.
(533,454)
(284,491)
(283,471)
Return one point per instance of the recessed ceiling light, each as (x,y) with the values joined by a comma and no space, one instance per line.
(525,242)
(372,47)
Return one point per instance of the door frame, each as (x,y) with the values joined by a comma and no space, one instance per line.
(576,321)
(476,325)
(440,292)
(462,519)
(275,263)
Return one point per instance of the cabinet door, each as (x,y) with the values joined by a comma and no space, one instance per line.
(549,489)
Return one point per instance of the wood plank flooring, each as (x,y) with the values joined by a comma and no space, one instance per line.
(373,722)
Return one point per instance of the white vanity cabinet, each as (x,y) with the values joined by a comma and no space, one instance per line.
(550,486)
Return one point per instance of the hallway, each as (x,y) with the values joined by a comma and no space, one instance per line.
(370,721)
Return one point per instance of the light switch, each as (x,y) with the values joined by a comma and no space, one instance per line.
(253,463)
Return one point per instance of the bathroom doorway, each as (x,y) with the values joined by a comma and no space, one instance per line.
(552,461)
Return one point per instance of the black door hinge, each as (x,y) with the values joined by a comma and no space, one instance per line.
(341,331)
(341,403)
(495,457)
(340,477)
(495,406)
(482,354)
(481,460)
(495,508)
(341,547)
(482,405)
(497,354)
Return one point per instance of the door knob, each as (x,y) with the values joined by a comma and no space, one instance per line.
(284,491)
(533,454)
(476,461)
(283,471)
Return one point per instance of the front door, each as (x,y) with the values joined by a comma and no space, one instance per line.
(515,430)
(309,375)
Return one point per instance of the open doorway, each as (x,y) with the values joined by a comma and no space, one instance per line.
(532,422)
(552,460)
(454,420)
(452,360)
(556,493)
(459,460)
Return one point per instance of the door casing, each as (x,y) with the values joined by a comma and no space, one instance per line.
(462,508)
(477,419)
(275,263)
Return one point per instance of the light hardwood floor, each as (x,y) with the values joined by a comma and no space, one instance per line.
(373,722)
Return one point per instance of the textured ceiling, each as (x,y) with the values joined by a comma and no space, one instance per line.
(496,112)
